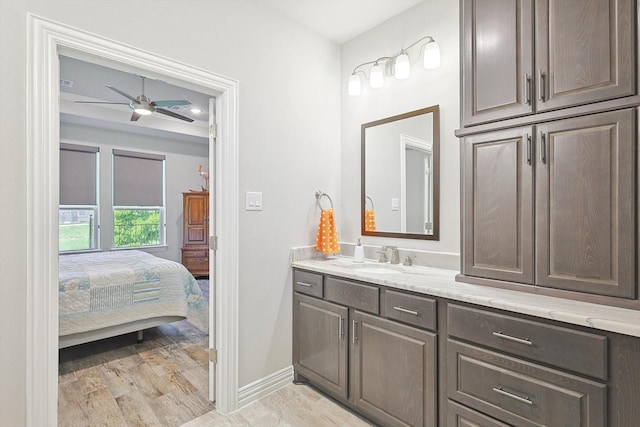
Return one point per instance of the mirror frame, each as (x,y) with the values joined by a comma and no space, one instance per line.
(435,110)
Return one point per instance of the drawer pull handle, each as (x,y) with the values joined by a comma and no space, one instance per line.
(406,310)
(525,399)
(341,329)
(514,339)
(306,285)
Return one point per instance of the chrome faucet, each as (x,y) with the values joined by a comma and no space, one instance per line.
(383,254)
(395,255)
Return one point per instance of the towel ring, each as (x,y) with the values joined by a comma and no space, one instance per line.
(371,200)
(321,194)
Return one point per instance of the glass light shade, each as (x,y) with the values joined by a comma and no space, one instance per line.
(142,111)
(355,87)
(402,67)
(431,55)
(376,78)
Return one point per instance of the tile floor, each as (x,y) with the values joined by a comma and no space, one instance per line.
(292,406)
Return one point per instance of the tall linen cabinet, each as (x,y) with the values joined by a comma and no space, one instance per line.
(549,147)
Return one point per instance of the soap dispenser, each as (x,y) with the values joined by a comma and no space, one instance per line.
(358,253)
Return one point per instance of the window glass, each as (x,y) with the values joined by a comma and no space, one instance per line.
(77,229)
(78,209)
(137,227)
(138,199)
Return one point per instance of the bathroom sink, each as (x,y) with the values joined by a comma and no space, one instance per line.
(376,268)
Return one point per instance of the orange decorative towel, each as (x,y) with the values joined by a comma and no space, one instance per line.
(369,220)
(327,239)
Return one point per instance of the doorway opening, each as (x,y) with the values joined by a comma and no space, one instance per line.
(123,181)
(47,41)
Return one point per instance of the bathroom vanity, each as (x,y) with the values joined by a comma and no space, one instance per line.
(410,346)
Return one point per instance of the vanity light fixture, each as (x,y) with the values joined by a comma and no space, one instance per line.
(376,76)
(398,66)
(402,66)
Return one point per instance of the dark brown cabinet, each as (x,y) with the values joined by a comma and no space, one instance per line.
(584,52)
(497,225)
(497,58)
(358,357)
(521,393)
(195,232)
(393,371)
(582,209)
(320,343)
(521,372)
(585,204)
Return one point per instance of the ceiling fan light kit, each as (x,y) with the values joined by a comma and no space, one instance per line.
(143,106)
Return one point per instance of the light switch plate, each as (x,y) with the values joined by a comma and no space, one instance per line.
(253,201)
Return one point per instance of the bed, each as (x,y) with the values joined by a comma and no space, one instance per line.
(104,294)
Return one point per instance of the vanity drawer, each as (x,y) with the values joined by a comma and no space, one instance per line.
(576,351)
(411,309)
(522,393)
(356,295)
(461,416)
(308,283)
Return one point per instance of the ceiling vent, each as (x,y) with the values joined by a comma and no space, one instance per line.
(66,83)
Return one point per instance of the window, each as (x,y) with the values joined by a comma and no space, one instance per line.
(78,211)
(138,199)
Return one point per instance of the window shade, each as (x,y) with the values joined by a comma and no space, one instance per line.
(78,174)
(138,179)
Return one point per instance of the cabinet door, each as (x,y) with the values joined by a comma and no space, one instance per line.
(585,199)
(320,343)
(497,57)
(584,51)
(498,206)
(393,371)
(196,219)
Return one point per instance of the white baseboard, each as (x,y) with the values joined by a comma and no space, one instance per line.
(264,386)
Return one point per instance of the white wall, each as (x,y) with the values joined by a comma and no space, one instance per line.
(181,166)
(439,19)
(289,113)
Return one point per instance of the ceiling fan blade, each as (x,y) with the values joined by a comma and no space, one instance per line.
(135,116)
(126,95)
(101,102)
(172,114)
(170,103)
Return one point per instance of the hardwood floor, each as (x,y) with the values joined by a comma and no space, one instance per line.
(164,382)
(115,382)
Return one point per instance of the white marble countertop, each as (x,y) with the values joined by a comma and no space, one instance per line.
(441,283)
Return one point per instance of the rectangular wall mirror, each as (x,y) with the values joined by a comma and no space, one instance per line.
(400,175)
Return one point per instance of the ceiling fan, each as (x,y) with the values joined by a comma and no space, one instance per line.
(143,106)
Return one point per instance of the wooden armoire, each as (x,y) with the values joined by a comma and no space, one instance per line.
(195,240)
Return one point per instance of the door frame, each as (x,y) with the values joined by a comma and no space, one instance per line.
(45,40)
(408,141)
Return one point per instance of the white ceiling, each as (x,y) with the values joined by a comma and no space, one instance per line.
(340,20)
(88,82)
(336,20)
